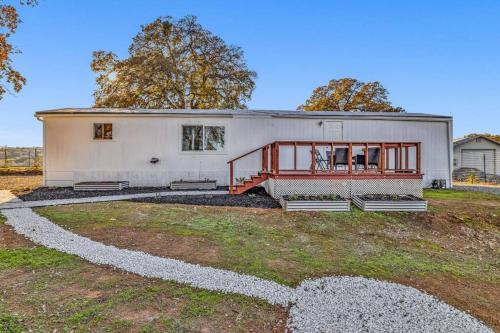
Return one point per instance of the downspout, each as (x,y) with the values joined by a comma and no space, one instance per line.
(450,151)
(44,149)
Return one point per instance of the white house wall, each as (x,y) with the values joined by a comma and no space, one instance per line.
(72,155)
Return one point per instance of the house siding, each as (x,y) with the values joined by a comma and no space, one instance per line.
(72,155)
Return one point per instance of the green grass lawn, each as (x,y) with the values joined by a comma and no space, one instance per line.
(289,247)
(43,290)
(452,252)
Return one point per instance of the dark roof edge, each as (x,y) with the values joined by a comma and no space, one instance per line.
(272,113)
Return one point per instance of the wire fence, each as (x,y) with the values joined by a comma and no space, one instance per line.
(21,157)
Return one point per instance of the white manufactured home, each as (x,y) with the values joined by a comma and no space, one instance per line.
(285,151)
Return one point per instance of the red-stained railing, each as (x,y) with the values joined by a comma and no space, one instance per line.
(375,159)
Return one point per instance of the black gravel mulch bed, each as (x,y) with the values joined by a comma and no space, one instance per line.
(254,198)
(319,197)
(52,193)
(389,197)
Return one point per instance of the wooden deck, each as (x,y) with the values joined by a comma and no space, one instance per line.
(330,160)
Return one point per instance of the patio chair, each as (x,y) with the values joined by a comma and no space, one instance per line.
(359,162)
(373,157)
(341,157)
(321,163)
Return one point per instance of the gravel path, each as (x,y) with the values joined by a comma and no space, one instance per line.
(42,231)
(357,304)
(335,304)
(42,203)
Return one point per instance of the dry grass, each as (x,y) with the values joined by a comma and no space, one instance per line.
(20,184)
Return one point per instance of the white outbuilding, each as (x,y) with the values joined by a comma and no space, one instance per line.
(477,154)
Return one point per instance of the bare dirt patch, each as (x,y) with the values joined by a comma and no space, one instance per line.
(9,239)
(478,298)
(187,248)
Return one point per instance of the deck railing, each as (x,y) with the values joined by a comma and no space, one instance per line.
(335,159)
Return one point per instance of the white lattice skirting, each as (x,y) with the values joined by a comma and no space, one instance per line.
(343,187)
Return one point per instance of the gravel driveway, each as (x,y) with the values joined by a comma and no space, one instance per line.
(335,304)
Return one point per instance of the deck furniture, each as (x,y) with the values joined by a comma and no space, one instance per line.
(373,157)
(321,163)
(386,160)
(341,157)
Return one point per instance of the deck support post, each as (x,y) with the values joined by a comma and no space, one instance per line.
(366,157)
(265,158)
(331,157)
(400,156)
(295,156)
(382,158)
(277,157)
(313,157)
(419,152)
(349,158)
(231,177)
(406,158)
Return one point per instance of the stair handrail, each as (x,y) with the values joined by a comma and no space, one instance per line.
(250,152)
(264,148)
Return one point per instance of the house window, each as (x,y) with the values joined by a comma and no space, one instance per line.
(454,162)
(203,138)
(103,131)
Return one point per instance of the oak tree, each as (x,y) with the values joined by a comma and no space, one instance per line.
(349,94)
(174,64)
(9,21)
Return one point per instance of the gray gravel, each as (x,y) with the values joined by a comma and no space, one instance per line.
(357,304)
(42,231)
(333,304)
(478,188)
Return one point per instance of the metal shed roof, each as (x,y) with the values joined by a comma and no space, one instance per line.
(269,113)
(461,141)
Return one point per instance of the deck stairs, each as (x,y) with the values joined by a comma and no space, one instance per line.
(249,183)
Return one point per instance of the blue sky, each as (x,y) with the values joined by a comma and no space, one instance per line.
(438,57)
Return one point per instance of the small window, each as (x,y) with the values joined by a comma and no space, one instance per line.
(192,138)
(214,138)
(103,131)
(454,162)
(203,138)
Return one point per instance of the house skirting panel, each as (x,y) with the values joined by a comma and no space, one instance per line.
(343,187)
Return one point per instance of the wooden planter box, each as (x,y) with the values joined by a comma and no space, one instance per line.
(414,205)
(315,205)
